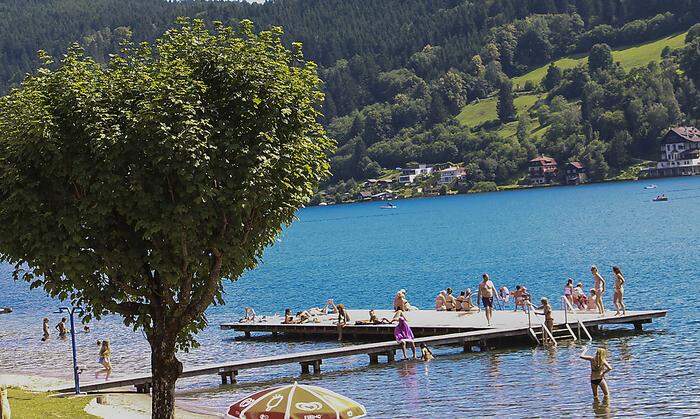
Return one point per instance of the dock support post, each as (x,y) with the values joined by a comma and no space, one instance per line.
(483,347)
(390,356)
(274,334)
(144,388)
(247,333)
(638,326)
(308,366)
(373,359)
(228,377)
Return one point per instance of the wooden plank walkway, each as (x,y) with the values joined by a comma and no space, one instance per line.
(312,360)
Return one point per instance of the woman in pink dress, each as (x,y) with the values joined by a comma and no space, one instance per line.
(403,334)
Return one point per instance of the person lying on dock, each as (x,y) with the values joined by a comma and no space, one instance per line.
(441,301)
(426,353)
(373,319)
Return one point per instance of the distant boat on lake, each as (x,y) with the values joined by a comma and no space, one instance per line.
(388,206)
(652,186)
(660,198)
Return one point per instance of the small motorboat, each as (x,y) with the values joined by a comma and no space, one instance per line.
(660,198)
(388,206)
(652,186)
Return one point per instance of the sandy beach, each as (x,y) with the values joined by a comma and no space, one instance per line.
(117,405)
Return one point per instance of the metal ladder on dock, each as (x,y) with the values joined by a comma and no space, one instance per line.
(560,331)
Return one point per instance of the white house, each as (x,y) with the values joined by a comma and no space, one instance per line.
(409,175)
(450,174)
(680,153)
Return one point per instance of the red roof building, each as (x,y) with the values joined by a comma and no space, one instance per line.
(542,170)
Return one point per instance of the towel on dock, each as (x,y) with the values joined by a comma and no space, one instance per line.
(402,331)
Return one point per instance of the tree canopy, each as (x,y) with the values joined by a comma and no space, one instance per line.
(134,188)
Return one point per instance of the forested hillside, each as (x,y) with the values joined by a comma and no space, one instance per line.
(398,72)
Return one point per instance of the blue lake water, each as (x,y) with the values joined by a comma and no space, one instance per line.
(360,255)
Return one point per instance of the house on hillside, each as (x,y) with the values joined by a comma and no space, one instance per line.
(680,153)
(542,170)
(408,175)
(363,196)
(451,174)
(575,173)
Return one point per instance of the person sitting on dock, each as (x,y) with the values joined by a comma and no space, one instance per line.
(399,299)
(486,292)
(450,301)
(579,297)
(288,318)
(459,300)
(592,303)
(249,315)
(373,319)
(467,304)
(441,301)
(403,334)
(426,353)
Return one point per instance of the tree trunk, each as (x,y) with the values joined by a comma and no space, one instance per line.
(165,368)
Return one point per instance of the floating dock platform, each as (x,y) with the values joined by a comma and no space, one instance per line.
(431,323)
(468,330)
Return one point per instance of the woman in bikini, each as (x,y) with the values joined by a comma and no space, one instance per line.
(599,285)
(569,291)
(618,296)
(599,367)
(104,359)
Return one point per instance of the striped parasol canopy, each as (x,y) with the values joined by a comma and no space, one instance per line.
(296,401)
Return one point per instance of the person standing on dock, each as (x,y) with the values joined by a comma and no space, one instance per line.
(486,292)
(618,296)
(599,286)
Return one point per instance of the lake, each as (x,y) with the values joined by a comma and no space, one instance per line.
(361,255)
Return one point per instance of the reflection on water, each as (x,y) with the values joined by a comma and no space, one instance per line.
(537,237)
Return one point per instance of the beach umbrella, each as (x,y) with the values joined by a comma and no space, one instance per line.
(296,401)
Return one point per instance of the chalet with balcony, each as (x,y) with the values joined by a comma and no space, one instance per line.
(542,170)
(575,173)
(680,153)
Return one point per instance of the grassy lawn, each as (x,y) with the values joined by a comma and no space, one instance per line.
(628,57)
(28,405)
(483,111)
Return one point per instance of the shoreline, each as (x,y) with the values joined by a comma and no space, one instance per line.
(117,404)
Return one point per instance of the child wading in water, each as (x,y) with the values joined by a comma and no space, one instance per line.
(599,367)
(548,318)
(105,354)
(426,354)
(45,327)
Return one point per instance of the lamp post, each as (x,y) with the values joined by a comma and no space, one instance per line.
(76,375)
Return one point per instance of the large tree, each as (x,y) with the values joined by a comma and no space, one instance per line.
(505,106)
(136,187)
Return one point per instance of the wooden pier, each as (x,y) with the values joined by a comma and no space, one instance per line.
(432,328)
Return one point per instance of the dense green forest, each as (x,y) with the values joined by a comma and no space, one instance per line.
(398,72)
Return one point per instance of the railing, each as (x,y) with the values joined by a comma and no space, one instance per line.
(582,326)
(548,332)
(566,307)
